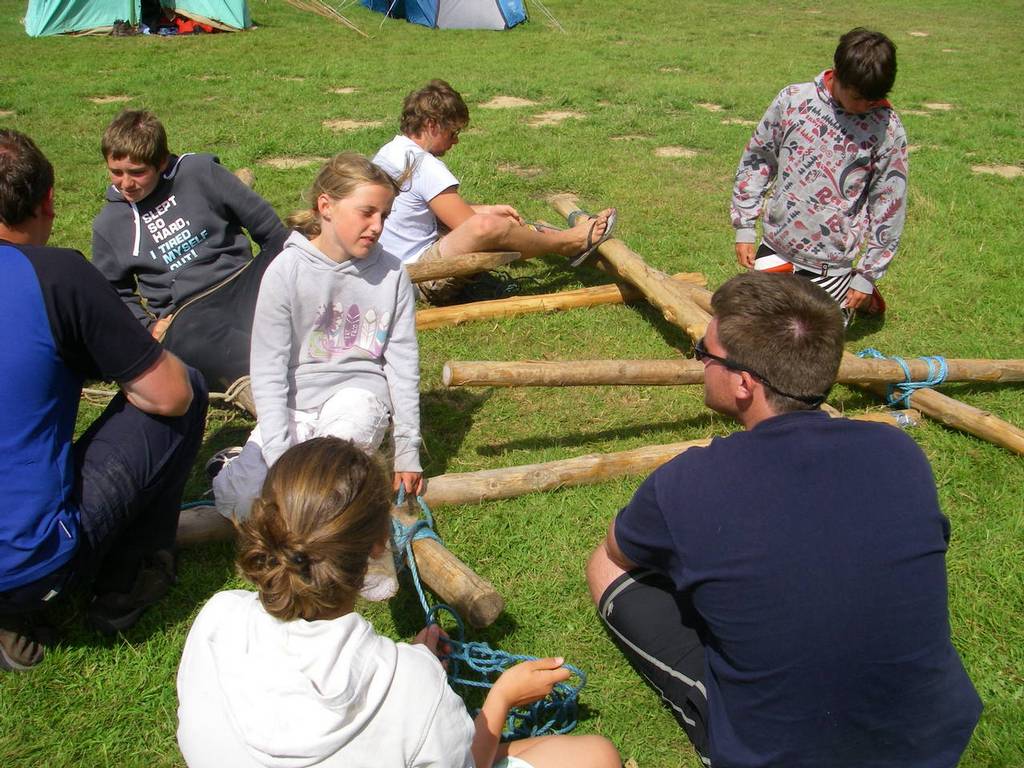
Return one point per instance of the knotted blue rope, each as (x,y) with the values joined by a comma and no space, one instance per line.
(937,373)
(556,713)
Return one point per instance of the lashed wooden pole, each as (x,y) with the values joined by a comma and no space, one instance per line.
(933,404)
(460,265)
(452,580)
(449,578)
(960,416)
(436,317)
(672,298)
(582,373)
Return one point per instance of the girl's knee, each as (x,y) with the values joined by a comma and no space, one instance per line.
(355,414)
(599,752)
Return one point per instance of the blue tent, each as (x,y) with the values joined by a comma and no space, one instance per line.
(454,14)
(55,17)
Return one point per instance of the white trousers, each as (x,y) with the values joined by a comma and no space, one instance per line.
(350,413)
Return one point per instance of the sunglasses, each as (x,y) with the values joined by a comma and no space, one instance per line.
(700,352)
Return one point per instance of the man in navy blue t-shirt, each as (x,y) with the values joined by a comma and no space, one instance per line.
(784,588)
(101,510)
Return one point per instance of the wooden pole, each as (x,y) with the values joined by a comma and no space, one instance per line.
(463,264)
(674,299)
(617,293)
(576,373)
(452,580)
(448,577)
(199,525)
(509,482)
(581,373)
(961,416)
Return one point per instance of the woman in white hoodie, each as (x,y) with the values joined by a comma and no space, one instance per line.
(291,676)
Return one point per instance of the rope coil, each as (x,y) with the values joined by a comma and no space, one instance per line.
(556,713)
(938,370)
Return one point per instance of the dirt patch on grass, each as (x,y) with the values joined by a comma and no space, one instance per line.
(110,99)
(675,152)
(950,50)
(1006,171)
(918,34)
(813,10)
(6,113)
(246,176)
(709,106)
(520,171)
(670,69)
(917,112)
(290,78)
(938,106)
(738,121)
(211,78)
(507,102)
(351,125)
(344,90)
(287,163)
(554,117)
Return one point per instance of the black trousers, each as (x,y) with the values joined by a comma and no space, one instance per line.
(212,331)
(130,473)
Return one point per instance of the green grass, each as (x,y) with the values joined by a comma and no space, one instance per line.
(632,69)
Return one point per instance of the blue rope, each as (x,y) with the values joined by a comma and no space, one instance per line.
(937,372)
(195,504)
(556,713)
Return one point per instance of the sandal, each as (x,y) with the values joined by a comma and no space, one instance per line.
(591,245)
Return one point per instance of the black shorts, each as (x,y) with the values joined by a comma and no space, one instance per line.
(657,629)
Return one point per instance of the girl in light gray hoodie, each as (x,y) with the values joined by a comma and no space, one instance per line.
(334,338)
(291,676)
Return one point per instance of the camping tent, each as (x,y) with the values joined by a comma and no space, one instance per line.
(454,14)
(54,17)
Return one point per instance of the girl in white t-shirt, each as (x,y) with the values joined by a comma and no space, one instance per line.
(292,676)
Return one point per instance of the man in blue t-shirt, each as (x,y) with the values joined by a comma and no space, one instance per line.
(101,510)
(784,588)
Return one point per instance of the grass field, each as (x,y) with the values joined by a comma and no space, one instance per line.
(636,77)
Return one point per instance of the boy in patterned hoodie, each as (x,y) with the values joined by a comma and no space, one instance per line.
(834,154)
